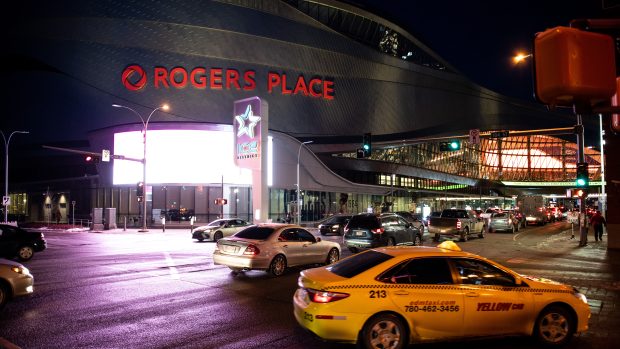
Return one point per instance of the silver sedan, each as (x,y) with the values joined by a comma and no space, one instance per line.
(15,280)
(274,247)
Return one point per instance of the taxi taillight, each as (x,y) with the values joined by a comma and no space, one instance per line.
(251,250)
(317,296)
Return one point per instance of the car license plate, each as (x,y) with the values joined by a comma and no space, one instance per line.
(230,249)
(360,233)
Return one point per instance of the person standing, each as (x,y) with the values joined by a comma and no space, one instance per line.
(598,221)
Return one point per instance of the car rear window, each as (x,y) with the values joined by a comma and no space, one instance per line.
(358,263)
(365,221)
(255,233)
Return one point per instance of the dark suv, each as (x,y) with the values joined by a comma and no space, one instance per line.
(17,242)
(367,230)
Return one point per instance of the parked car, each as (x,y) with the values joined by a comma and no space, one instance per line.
(503,221)
(219,228)
(413,218)
(15,281)
(273,247)
(334,224)
(20,243)
(389,297)
(367,230)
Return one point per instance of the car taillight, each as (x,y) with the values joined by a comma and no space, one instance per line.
(317,296)
(458,224)
(251,250)
(377,231)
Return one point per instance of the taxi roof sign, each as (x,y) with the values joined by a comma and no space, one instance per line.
(449,245)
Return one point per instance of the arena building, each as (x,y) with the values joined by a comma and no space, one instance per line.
(329,72)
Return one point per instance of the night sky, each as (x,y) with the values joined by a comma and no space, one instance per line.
(480,37)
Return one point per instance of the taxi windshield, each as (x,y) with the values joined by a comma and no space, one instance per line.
(359,263)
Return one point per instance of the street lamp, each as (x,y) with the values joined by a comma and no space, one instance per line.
(520,57)
(145,125)
(6,169)
(298,186)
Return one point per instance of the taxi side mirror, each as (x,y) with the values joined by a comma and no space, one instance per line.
(318,239)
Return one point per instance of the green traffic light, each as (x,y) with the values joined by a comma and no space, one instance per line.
(366,147)
(581,182)
(454,145)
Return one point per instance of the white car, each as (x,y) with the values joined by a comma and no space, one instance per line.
(219,228)
(274,247)
(15,281)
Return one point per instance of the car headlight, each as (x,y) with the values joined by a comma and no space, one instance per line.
(21,270)
(335,227)
(582,297)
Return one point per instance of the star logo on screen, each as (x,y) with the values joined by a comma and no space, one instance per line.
(252,120)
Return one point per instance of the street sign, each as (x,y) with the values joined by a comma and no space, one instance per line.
(499,134)
(6,200)
(474,136)
(105,155)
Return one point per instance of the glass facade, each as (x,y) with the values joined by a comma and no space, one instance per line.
(368,32)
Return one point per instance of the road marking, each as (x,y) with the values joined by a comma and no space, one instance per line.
(173,269)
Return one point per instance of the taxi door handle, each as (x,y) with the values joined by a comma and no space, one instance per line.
(472,294)
(401,293)
(284,246)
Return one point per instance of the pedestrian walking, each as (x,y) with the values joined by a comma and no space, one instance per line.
(598,221)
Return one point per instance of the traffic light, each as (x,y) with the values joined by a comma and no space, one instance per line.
(583,179)
(140,190)
(220,201)
(452,145)
(580,193)
(92,158)
(367,144)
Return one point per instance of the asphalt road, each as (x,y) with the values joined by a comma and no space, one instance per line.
(161,290)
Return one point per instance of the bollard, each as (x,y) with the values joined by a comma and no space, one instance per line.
(163,224)
(124,223)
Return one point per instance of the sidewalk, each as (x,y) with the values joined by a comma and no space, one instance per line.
(597,275)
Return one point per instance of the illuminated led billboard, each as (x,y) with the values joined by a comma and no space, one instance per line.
(180,157)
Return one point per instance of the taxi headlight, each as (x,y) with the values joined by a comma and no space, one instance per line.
(580,296)
(335,227)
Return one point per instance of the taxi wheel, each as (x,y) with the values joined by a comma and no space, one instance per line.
(555,326)
(217,235)
(383,331)
(278,265)
(200,239)
(332,256)
(25,253)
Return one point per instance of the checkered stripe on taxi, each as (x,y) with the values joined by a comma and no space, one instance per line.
(446,287)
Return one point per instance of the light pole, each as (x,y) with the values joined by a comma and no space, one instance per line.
(299,186)
(6,168)
(145,125)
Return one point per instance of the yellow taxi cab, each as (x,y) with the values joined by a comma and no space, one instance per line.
(391,296)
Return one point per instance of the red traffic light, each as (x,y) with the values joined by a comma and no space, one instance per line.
(92,158)
(220,201)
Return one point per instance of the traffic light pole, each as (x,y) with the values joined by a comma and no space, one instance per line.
(583,220)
